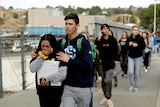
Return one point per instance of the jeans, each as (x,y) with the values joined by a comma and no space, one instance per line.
(155,49)
(115,73)
(134,65)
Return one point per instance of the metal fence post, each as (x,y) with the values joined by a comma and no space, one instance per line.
(1,83)
(23,61)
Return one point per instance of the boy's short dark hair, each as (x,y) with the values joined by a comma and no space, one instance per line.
(73,16)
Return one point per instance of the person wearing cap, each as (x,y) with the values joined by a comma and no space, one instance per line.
(108,52)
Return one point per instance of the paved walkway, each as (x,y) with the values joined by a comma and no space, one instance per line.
(149,95)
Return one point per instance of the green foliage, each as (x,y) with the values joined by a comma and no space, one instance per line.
(15,15)
(95,10)
(1,21)
(49,7)
(4,16)
(81,10)
(68,10)
(10,8)
(26,17)
(118,19)
(132,19)
(146,16)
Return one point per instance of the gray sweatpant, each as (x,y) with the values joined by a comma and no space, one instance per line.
(73,96)
(107,83)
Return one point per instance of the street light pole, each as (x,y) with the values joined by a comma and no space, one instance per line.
(155,16)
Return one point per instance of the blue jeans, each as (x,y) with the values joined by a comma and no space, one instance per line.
(155,49)
(134,65)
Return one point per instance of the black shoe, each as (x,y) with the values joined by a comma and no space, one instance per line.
(115,84)
(122,75)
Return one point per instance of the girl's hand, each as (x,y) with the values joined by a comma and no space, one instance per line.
(43,81)
(135,44)
(130,43)
(34,54)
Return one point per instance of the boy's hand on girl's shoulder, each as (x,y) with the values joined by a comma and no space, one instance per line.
(63,56)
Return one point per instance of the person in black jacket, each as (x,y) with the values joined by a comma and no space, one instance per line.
(135,46)
(124,53)
(108,52)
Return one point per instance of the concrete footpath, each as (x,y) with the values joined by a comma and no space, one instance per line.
(149,95)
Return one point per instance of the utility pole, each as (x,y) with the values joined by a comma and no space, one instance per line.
(23,60)
(155,16)
(1,83)
(155,9)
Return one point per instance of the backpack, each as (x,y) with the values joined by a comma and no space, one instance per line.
(79,46)
(79,41)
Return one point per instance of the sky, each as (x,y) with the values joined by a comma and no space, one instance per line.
(26,4)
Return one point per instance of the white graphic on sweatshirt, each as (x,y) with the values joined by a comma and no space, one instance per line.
(71,51)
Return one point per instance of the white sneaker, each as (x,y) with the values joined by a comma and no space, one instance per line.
(136,90)
(130,89)
(110,103)
(146,70)
(103,101)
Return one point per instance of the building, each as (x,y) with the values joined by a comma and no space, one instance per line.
(46,17)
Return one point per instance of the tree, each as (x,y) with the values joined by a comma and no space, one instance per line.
(10,8)
(15,15)
(146,16)
(118,19)
(132,19)
(80,10)
(95,10)
(4,16)
(1,21)
(26,17)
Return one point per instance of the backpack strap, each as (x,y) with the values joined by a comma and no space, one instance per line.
(79,42)
(63,43)
(93,51)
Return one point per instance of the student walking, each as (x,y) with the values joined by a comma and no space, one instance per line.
(146,51)
(155,44)
(123,53)
(79,80)
(49,94)
(108,50)
(117,60)
(135,45)
(97,66)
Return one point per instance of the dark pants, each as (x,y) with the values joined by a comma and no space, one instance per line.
(124,63)
(50,96)
(146,60)
(107,83)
